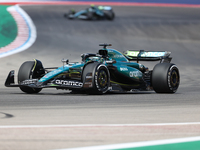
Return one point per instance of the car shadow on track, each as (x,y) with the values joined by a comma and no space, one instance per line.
(68,93)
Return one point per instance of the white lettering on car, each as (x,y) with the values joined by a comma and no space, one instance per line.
(30,81)
(69,83)
(123,69)
(135,74)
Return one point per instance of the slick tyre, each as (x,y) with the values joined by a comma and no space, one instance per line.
(110,15)
(165,78)
(24,73)
(100,78)
(70,14)
(90,16)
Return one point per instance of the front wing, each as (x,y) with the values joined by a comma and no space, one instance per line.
(34,83)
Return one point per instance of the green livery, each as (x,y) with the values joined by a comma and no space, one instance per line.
(107,71)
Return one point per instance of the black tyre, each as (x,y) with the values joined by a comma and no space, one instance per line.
(110,15)
(100,78)
(165,78)
(28,70)
(90,16)
(70,14)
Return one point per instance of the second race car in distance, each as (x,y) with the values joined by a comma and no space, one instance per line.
(92,13)
(107,71)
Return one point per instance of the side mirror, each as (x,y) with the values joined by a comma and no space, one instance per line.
(65,61)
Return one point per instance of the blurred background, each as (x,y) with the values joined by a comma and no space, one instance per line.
(157,25)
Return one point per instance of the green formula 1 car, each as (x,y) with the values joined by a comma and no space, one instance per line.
(107,71)
(92,13)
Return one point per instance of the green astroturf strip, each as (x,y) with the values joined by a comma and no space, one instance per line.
(175,146)
(8,27)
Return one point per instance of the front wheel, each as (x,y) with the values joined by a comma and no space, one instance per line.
(30,70)
(90,16)
(165,78)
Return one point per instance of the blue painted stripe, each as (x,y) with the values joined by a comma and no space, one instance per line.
(139,1)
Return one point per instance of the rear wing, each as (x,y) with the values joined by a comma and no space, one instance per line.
(141,55)
(104,7)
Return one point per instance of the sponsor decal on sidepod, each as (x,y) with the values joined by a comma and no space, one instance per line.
(69,83)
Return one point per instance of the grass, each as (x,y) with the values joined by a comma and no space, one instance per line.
(8,27)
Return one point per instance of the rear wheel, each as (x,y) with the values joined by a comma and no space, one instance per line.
(30,70)
(100,78)
(110,15)
(165,78)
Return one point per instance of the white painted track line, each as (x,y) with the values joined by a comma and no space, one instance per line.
(101,125)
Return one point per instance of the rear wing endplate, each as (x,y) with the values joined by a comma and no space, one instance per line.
(141,55)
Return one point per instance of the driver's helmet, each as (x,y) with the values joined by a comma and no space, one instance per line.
(92,5)
(72,11)
(92,8)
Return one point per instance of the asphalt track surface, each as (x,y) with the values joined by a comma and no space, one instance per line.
(148,28)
